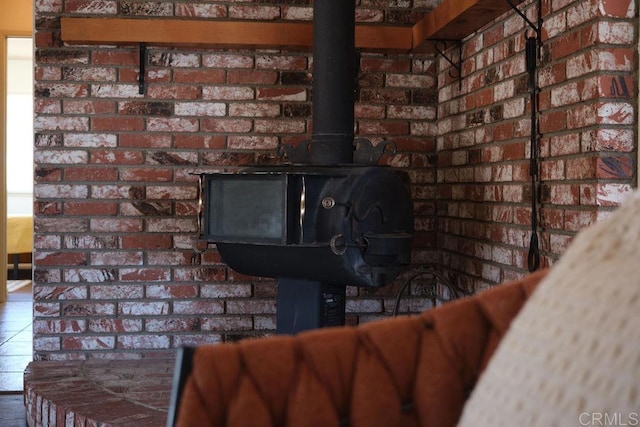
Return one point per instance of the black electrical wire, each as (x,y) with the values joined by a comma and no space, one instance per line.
(533,259)
(455,291)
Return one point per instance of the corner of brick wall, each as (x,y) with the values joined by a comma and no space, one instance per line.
(587,139)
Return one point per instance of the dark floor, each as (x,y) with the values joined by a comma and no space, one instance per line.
(12,410)
(15,354)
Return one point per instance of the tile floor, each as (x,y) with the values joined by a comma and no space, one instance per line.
(97,392)
(15,339)
(15,354)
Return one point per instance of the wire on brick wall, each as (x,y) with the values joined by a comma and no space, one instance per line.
(532,53)
(438,277)
(533,259)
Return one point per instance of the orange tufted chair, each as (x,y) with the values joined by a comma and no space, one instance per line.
(406,371)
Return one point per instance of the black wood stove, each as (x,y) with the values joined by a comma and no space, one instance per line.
(331,217)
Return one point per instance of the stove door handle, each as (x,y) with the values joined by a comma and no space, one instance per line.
(303,207)
(200,204)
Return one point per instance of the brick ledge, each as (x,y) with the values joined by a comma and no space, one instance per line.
(98,392)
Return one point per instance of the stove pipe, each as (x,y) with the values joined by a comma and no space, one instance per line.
(334,82)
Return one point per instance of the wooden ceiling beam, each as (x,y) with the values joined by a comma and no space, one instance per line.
(225,34)
(187,32)
(450,20)
(455,20)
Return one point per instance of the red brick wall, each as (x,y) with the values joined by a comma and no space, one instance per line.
(117,273)
(587,145)
(117,270)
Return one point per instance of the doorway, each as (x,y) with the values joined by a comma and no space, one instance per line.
(19,146)
(18,160)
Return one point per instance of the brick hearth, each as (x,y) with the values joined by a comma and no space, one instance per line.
(98,392)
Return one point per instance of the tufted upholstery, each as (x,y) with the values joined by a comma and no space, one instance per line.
(406,371)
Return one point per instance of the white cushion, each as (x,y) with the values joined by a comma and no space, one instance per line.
(572,355)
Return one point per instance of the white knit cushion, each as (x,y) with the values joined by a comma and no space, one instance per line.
(572,355)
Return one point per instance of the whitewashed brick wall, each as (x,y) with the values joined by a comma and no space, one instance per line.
(587,144)
(117,270)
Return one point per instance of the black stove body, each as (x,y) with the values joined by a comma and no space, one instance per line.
(337,225)
(327,220)
(334,226)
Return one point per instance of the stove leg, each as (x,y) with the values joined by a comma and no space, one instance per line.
(306,304)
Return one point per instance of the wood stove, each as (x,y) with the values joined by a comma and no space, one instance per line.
(326,220)
(338,225)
